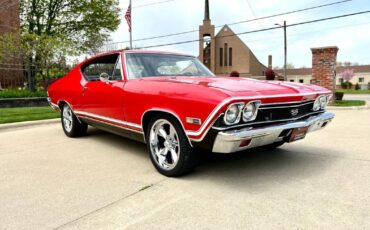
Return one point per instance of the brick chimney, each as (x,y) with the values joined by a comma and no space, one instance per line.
(270,62)
(324,61)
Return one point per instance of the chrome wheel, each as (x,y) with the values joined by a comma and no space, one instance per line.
(164,144)
(67,118)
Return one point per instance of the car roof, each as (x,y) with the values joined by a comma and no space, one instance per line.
(131,51)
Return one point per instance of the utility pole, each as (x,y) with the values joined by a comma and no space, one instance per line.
(285,50)
(285,53)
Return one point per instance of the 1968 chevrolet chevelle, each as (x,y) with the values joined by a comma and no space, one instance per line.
(174,104)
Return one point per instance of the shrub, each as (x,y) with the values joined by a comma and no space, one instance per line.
(15,93)
(346,85)
(357,87)
(339,96)
(270,74)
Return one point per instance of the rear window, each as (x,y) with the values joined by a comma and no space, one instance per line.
(105,64)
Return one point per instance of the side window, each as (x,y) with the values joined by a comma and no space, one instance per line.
(117,72)
(104,64)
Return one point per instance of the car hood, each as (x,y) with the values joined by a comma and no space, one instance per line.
(244,86)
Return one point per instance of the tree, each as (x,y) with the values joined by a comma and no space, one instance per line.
(87,23)
(21,50)
(347,75)
(54,29)
(289,66)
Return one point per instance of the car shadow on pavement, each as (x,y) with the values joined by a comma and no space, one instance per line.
(260,167)
(118,142)
(257,167)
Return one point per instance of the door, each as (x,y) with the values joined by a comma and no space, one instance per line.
(102,88)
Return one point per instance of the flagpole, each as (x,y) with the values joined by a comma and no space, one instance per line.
(131,26)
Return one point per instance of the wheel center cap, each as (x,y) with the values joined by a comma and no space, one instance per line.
(167,144)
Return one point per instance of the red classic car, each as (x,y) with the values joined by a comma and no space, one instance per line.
(175,105)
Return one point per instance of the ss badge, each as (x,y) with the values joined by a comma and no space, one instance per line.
(294,112)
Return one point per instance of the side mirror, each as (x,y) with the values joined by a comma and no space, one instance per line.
(104,77)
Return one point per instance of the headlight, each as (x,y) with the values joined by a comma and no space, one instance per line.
(250,111)
(317,104)
(232,115)
(323,102)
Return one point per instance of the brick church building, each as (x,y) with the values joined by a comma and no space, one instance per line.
(225,52)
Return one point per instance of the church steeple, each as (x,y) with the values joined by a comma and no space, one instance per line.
(207,44)
(206,11)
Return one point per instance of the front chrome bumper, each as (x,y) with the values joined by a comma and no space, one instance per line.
(231,141)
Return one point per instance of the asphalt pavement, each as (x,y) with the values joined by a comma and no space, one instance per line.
(102,181)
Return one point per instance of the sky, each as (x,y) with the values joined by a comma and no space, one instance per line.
(351,34)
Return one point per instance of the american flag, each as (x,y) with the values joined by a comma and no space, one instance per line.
(128,17)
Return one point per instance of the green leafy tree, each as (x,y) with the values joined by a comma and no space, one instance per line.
(86,23)
(52,30)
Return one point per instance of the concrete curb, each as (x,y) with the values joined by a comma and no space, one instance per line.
(364,107)
(27,124)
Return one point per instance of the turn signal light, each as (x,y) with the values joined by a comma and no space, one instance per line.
(244,143)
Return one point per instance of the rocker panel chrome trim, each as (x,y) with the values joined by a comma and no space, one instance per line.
(81,113)
(108,123)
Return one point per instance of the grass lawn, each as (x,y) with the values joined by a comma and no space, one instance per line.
(352,91)
(26,114)
(344,103)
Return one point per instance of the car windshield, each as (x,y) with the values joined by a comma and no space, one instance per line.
(141,65)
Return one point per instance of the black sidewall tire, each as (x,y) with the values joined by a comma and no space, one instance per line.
(78,128)
(188,158)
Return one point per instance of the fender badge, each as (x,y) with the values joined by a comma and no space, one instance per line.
(194,121)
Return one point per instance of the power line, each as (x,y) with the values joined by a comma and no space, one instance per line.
(240,22)
(153,3)
(265,29)
(253,13)
(264,38)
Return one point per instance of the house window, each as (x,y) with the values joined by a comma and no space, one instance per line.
(225,59)
(221,56)
(340,80)
(230,56)
(292,80)
(361,80)
(301,81)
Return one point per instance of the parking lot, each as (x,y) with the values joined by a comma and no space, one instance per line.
(102,181)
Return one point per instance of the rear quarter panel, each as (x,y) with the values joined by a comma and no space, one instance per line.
(67,89)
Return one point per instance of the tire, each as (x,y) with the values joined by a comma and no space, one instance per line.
(169,147)
(72,127)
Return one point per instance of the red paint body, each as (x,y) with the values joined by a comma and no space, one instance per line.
(125,102)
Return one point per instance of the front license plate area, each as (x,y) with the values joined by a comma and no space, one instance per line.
(298,134)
